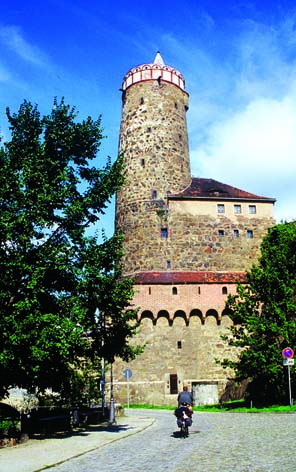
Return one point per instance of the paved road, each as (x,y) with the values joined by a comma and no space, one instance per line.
(229,442)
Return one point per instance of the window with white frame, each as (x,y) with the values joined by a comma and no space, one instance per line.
(220,208)
(252,209)
(237,209)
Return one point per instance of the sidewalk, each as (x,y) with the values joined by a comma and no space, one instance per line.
(38,454)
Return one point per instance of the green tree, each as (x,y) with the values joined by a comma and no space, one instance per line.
(264,316)
(54,276)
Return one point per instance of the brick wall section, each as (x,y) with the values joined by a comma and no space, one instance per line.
(188,298)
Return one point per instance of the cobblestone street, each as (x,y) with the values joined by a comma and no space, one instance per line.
(218,442)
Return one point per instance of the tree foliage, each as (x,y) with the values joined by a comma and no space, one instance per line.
(53,275)
(264,316)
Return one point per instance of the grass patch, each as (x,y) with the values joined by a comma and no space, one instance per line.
(237,406)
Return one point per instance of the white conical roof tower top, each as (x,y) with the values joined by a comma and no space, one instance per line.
(156,70)
(158,59)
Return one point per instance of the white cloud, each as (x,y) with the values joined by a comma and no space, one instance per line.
(254,149)
(12,38)
(248,138)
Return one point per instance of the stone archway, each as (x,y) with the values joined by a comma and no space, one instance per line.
(181,314)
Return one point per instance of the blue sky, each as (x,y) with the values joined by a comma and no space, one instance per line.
(238,59)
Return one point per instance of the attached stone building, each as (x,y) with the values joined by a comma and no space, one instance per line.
(188,241)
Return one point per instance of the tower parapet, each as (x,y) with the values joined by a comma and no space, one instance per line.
(158,70)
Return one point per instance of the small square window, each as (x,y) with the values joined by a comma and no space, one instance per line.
(235,233)
(220,208)
(220,233)
(252,209)
(250,234)
(237,209)
(164,232)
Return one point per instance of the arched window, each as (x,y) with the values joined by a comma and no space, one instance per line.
(224,290)
(175,291)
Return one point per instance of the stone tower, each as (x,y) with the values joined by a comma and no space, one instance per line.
(154,140)
(187,240)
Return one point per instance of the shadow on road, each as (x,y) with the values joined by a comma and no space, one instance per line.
(103,428)
(179,435)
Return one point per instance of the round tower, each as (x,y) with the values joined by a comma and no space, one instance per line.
(154,141)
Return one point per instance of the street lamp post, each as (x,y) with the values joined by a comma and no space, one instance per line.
(103,387)
(112,404)
(101,318)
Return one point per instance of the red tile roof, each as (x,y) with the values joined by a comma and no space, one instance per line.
(210,189)
(166,278)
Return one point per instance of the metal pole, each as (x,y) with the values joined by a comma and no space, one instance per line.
(103,387)
(112,405)
(290,394)
(100,322)
(128,394)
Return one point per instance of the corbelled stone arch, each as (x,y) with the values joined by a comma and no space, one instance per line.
(147,314)
(213,313)
(164,314)
(181,314)
(225,318)
(197,313)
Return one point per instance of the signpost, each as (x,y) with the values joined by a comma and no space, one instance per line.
(127,373)
(288,354)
